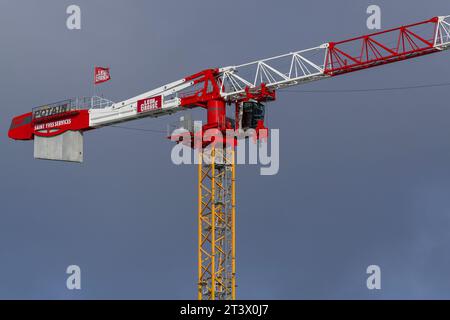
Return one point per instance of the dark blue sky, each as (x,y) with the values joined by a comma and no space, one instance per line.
(364,177)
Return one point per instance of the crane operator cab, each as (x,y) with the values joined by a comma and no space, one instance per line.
(252,117)
(252,113)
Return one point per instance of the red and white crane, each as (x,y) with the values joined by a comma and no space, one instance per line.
(212,89)
(245,87)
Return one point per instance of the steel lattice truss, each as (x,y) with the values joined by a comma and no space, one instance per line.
(259,78)
(216,234)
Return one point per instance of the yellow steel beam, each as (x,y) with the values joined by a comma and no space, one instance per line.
(216,230)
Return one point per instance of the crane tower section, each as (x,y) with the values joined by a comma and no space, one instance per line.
(256,81)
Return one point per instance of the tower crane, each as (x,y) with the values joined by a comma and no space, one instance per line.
(57,128)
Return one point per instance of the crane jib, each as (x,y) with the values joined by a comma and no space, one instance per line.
(57,129)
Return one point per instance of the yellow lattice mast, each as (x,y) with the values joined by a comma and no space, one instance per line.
(216,225)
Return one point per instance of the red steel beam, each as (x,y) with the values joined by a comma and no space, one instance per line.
(374,52)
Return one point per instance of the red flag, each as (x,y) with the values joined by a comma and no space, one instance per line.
(101,75)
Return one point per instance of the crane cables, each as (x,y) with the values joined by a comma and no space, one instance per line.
(436,85)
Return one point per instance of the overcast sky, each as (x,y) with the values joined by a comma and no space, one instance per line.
(364,177)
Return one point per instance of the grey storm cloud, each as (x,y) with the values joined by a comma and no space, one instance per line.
(364,176)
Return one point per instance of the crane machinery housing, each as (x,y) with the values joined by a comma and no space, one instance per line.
(57,128)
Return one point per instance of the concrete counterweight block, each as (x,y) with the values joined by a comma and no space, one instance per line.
(67,146)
